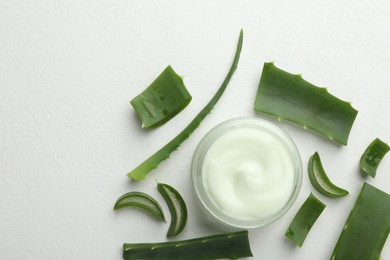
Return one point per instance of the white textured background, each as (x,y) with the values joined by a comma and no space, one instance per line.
(68,134)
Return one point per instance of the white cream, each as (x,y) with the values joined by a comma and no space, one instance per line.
(248,173)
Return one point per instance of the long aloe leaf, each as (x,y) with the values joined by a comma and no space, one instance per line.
(162,100)
(152,162)
(372,156)
(230,245)
(367,227)
(289,97)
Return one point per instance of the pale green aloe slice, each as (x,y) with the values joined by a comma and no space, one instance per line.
(177,207)
(162,100)
(141,201)
(290,97)
(152,162)
(320,180)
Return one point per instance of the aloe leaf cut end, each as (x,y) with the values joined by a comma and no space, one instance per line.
(372,157)
(140,172)
(367,227)
(289,97)
(162,100)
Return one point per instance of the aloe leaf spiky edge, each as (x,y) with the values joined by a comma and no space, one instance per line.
(290,97)
(232,245)
(153,161)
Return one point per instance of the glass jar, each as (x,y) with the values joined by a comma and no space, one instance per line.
(236,163)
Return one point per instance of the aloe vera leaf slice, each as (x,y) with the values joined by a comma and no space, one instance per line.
(289,97)
(320,180)
(162,100)
(177,208)
(141,201)
(372,156)
(305,218)
(153,161)
(232,245)
(367,227)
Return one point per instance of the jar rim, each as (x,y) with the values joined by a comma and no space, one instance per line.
(199,155)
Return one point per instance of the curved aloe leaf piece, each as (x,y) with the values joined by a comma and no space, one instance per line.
(141,201)
(162,100)
(320,180)
(177,208)
(289,97)
(304,220)
(152,162)
(373,155)
(230,245)
(367,227)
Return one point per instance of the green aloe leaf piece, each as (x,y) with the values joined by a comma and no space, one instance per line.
(177,208)
(232,245)
(305,218)
(373,155)
(289,97)
(162,100)
(152,162)
(367,227)
(320,180)
(141,201)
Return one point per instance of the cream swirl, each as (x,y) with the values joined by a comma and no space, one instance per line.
(248,173)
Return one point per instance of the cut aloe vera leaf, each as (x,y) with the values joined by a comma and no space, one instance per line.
(176,206)
(232,245)
(152,162)
(141,201)
(373,155)
(304,220)
(162,100)
(320,180)
(367,227)
(289,97)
